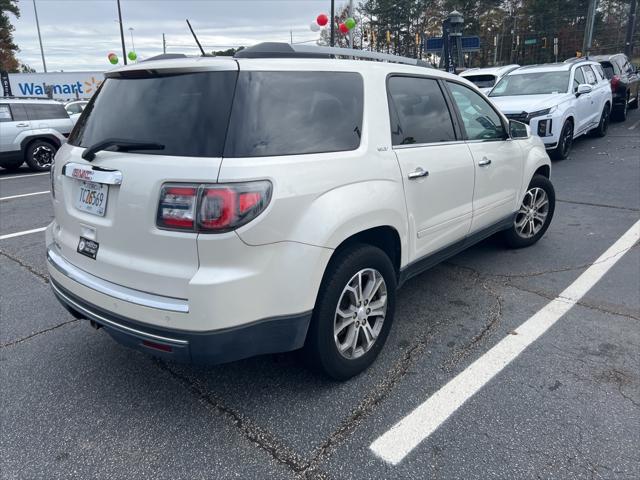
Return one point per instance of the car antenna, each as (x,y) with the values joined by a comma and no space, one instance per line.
(196,39)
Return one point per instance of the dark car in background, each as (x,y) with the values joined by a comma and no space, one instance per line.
(625,82)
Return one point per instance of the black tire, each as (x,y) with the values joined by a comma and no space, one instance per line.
(603,125)
(321,350)
(620,114)
(636,102)
(565,142)
(39,155)
(513,238)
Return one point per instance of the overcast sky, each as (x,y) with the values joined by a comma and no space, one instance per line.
(79,34)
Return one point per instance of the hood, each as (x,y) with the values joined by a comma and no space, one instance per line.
(527,103)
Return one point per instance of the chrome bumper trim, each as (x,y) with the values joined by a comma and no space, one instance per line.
(102,320)
(114,290)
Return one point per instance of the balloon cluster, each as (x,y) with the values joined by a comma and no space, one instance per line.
(113,58)
(323,20)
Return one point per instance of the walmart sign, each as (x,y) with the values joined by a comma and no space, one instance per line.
(61,85)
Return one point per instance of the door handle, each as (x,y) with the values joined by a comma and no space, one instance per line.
(418,173)
(484,162)
(22,125)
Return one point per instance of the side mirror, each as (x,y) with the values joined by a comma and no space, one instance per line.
(518,130)
(583,88)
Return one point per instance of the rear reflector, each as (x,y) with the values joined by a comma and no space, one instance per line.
(157,346)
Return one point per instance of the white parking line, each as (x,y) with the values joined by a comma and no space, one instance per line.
(24,176)
(23,195)
(19,234)
(634,125)
(407,434)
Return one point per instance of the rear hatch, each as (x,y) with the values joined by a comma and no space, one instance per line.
(110,202)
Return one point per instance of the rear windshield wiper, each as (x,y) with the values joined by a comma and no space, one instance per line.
(121,146)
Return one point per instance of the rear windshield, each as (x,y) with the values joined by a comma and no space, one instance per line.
(608,70)
(289,113)
(273,113)
(482,81)
(187,113)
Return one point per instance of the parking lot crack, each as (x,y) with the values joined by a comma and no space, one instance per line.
(256,435)
(36,334)
(602,205)
(26,266)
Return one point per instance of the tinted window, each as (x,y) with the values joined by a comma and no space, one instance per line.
(578,79)
(5,113)
(187,113)
(480,120)
(289,113)
(482,81)
(589,75)
(608,70)
(45,111)
(19,112)
(419,113)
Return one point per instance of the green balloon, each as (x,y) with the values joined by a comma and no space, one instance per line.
(350,23)
(132,56)
(113,59)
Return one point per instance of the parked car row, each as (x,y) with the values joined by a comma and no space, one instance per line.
(562,101)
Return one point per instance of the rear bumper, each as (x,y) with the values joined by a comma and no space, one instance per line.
(270,335)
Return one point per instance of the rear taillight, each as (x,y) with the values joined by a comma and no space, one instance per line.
(615,81)
(211,208)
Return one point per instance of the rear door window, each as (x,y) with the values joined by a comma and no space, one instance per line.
(45,111)
(418,111)
(292,113)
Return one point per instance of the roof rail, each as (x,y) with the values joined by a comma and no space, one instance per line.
(286,50)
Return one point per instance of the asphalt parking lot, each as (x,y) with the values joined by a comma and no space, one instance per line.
(77,405)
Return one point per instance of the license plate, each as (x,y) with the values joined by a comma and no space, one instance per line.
(92,198)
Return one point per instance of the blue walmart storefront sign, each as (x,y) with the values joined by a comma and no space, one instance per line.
(31,88)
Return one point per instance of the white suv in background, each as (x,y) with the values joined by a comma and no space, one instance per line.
(31,130)
(486,78)
(560,101)
(211,209)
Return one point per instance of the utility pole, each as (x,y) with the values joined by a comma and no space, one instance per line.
(44,64)
(333,23)
(164,44)
(124,52)
(351,31)
(588,31)
(628,43)
(133,45)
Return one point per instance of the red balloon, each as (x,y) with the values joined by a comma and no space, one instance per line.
(343,28)
(322,19)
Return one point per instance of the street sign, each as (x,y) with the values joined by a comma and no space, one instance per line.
(530,41)
(469,44)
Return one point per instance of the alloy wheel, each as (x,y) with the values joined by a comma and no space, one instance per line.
(533,213)
(567,139)
(360,313)
(43,155)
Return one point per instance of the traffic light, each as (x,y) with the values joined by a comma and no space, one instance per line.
(544,42)
(388,36)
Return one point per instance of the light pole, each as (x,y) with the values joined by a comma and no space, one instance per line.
(133,45)
(124,53)
(44,64)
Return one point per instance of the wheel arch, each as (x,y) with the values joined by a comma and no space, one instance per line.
(46,137)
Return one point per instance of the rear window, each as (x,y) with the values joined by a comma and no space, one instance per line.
(289,113)
(187,113)
(481,81)
(45,111)
(5,113)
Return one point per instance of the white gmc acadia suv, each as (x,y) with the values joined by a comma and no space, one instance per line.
(212,209)
(560,101)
